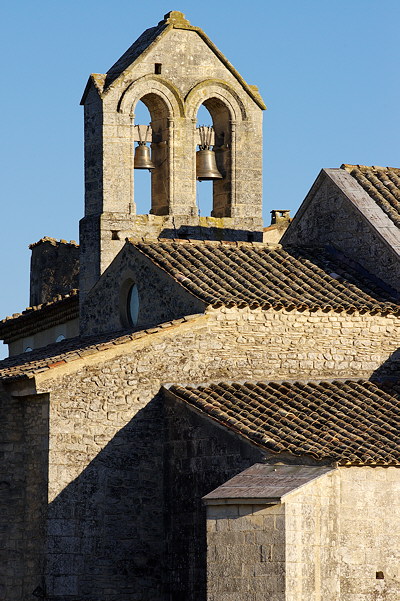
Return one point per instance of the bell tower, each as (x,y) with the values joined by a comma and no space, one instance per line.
(173,69)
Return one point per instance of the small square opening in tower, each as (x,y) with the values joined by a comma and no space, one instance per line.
(157,68)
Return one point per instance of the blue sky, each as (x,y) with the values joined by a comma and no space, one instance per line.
(327,70)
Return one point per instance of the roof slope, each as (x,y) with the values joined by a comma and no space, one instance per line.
(383,186)
(40,317)
(267,482)
(345,421)
(172,20)
(43,359)
(257,275)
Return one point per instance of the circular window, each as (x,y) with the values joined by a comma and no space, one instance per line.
(28,349)
(133,305)
(60,338)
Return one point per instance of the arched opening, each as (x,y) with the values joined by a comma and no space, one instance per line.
(214,197)
(142,177)
(132,306)
(204,189)
(151,109)
(129,303)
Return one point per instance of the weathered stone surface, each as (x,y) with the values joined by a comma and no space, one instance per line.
(335,538)
(338,212)
(173,98)
(54,269)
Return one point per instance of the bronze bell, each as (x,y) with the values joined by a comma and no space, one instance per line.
(206,166)
(142,158)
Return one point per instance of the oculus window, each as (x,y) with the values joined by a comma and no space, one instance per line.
(132,308)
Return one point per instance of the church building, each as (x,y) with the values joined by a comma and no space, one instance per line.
(189,413)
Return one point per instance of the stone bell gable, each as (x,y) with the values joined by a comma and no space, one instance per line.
(173,68)
(355,209)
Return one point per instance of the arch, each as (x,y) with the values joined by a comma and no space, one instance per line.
(151,84)
(129,284)
(215,88)
(226,110)
(165,104)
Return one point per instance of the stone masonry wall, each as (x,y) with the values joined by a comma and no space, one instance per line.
(199,456)
(246,553)
(54,269)
(173,98)
(312,541)
(106,431)
(335,539)
(342,537)
(23,494)
(161,298)
(369,534)
(330,218)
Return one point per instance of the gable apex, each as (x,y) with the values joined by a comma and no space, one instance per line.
(147,40)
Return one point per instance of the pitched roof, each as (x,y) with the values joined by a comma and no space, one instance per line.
(383,186)
(257,275)
(267,482)
(172,20)
(40,317)
(43,359)
(349,422)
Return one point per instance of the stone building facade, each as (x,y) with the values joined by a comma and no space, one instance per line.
(222,423)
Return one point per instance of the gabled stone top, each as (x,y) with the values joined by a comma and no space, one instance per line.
(172,20)
(383,186)
(251,274)
(349,422)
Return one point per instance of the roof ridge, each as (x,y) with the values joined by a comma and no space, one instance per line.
(195,242)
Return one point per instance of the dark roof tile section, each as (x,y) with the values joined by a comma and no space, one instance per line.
(383,186)
(349,422)
(269,483)
(40,317)
(257,275)
(71,349)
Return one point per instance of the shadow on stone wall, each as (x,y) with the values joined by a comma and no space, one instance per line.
(212,233)
(105,529)
(131,526)
(389,371)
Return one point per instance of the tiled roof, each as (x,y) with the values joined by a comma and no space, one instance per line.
(257,275)
(40,317)
(71,349)
(350,422)
(383,186)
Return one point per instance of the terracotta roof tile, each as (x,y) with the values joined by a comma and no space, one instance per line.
(257,275)
(350,422)
(39,317)
(48,357)
(383,186)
